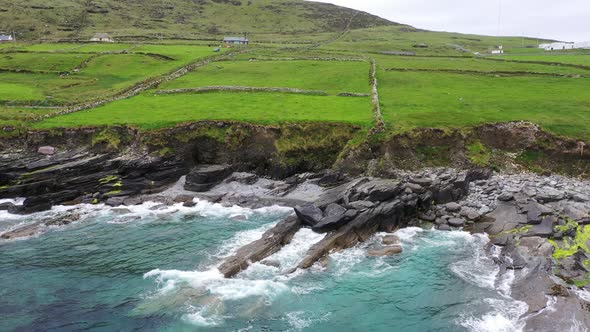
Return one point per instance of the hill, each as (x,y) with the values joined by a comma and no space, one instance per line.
(73,19)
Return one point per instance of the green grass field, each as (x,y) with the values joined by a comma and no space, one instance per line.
(411,99)
(41,62)
(444,85)
(574,59)
(330,76)
(472,64)
(101,75)
(151,112)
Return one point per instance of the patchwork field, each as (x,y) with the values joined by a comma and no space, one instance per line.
(69,74)
(151,112)
(330,76)
(482,65)
(441,87)
(416,99)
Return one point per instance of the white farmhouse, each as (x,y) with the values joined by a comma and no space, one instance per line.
(583,45)
(102,37)
(500,50)
(557,46)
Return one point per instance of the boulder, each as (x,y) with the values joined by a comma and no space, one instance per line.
(470,213)
(309,214)
(427,216)
(361,205)
(384,190)
(444,227)
(131,201)
(115,201)
(422,182)
(414,188)
(330,223)
(203,178)
(189,204)
(456,222)
(385,251)
(243,178)
(548,195)
(183,198)
(453,207)
(334,210)
(6,206)
(505,197)
(47,150)
(390,239)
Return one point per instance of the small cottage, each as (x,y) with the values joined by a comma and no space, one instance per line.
(6,38)
(231,41)
(500,50)
(102,37)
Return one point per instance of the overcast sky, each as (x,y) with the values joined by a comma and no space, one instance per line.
(567,20)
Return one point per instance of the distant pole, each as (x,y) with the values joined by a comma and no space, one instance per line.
(499,20)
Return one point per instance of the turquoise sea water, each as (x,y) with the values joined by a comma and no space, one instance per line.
(155,271)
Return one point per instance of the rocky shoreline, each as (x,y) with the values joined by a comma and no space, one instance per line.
(539,224)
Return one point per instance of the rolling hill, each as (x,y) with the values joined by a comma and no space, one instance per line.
(79,19)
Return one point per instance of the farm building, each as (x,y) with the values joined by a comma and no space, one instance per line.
(102,37)
(500,50)
(230,41)
(557,46)
(6,38)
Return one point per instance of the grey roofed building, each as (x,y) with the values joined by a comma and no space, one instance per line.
(236,40)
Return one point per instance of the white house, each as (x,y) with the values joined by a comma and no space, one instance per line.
(500,50)
(102,37)
(557,46)
(584,45)
(6,38)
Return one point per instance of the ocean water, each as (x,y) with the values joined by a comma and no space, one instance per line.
(145,270)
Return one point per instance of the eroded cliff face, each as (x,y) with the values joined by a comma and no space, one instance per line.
(514,146)
(95,164)
(90,165)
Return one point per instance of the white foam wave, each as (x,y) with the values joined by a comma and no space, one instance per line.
(205,316)
(583,294)
(15,201)
(291,254)
(578,326)
(299,321)
(406,234)
(210,292)
(504,317)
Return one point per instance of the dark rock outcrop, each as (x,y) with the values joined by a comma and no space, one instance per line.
(80,175)
(355,211)
(205,177)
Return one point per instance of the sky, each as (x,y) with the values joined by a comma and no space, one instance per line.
(566,20)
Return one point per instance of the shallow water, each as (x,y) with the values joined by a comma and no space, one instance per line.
(116,272)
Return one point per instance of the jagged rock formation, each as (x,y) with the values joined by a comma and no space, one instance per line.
(82,176)
(353,212)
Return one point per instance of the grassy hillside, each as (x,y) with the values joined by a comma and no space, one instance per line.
(50,19)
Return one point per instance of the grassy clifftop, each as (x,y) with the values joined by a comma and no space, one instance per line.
(37,19)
